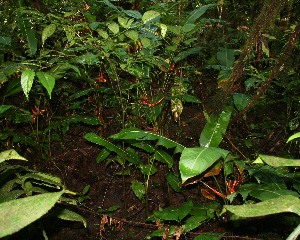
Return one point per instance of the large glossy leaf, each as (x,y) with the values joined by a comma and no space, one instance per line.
(197,13)
(277,161)
(194,161)
(9,155)
(47,80)
(27,78)
(286,203)
(19,213)
(137,134)
(212,134)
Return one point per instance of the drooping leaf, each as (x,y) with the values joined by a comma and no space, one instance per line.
(47,81)
(21,212)
(27,78)
(151,16)
(61,69)
(133,35)
(68,215)
(138,134)
(277,161)
(294,136)
(27,30)
(241,100)
(184,54)
(197,13)
(285,203)
(114,27)
(134,14)
(174,181)
(212,134)
(48,32)
(138,189)
(194,161)
(175,213)
(10,155)
(164,157)
(4,108)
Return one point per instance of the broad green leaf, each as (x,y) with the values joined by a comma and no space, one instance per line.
(194,15)
(194,222)
(137,134)
(5,40)
(114,27)
(133,35)
(187,27)
(174,181)
(27,78)
(88,58)
(19,213)
(286,203)
(61,69)
(145,146)
(209,236)
(163,29)
(294,136)
(184,54)
(164,157)
(194,161)
(125,22)
(47,81)
(277,161)
(148,169)
(145,42)
(4,108)
(175,213)
(68,215)
(48,32)
(150,16)
(10,155)
(138,189)
(226,57)
(102,33)
(134,14)
(241,100)
(212,134)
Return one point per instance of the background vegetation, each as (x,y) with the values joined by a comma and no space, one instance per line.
(195,100)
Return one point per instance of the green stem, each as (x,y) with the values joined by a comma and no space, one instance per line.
(294,234)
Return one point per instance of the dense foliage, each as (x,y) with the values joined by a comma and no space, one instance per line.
(65,63)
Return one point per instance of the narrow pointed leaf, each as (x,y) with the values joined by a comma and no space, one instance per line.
(47,80)
(27,78)
(164,157)
(48,32)
(294,136)
(197,13)
(4,108)
(277,161)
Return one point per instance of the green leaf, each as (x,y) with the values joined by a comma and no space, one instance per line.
(47,81)
(10,155)
(149,136)
(138,189)
(175,213)
(145,146)
(125,22)
(163,157)
(114,27)
(68,215)
(5,40)
(102,33)
(184,54)
(209,236)
(194,15)
(4,108)
(281,204)
(187,27)
(174,181)
(151,16)
(212,134)
(48,32)
(61,69)
(133,35)
(294,136)
(134,14)
(27,78)
(21,212)
(277,161)
(102,155)
(194,161)
(194,222)
(163,29)
(226,57)
(241,100)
